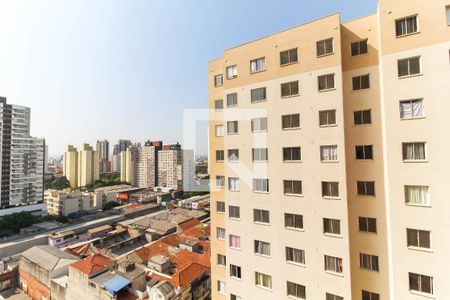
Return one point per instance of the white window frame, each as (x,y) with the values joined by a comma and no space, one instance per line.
(259,280)
(219,130)
(408,60)
(260,154)
(419,283)
(324,41)
(414,150)
(231,155)
(234,237)
(219,235)
(416,16)
(417,232)
(257,65)
(235,271)
(332,226)
(327,112)
(292,183)
(291,253)
(218,80)
(221,287)
(233,184)
(294,221)
(359,47)
(290,118)
(329,157)
(425,192)
(260,213)
(234,212)
(300,290)
(411,103)
(367,262)
(290,61)
(232,99)
(258,181)
(232,130)
(259,122)
(333,264)
(329,84)
(231,72)
(261,248)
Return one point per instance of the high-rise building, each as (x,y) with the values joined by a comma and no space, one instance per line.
(170,167)
(328,159)
(88,166)
(70,166)
(129,159)
(103,152)
(22,158)
(121,146)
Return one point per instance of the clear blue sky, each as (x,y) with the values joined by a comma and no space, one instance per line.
(96,69)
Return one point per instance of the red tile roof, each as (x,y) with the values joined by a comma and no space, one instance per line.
(92,264)
(186,276)
(189,224)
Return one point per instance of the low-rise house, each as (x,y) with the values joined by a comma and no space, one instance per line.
(64,203)
(43,272)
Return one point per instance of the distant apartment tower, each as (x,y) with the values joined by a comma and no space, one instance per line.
(121,146)
(329,161)
(70,166)
(103,152)
(88,166)
(170,167)
(22,157)
(129,159)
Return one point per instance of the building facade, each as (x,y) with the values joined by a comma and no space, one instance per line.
(170,167)
(121,146)
(22,158)
(103,153)
(64,203)
(327,161)
(88,166)
(70,166)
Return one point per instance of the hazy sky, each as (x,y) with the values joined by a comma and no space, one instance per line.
(109,69)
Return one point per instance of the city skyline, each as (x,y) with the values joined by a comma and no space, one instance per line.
(49,63)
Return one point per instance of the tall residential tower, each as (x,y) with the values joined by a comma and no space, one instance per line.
(329,159)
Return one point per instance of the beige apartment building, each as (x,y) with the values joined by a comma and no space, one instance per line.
(328,159)
(70,166)
(88,165)
(64,203)
(170,167)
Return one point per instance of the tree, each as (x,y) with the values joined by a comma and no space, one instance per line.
(110,205)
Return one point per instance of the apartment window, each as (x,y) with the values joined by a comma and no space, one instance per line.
(290,121)
(260,154)
(232,127)
(218,80)
(219,130)
(232,99)
(421,283)
(414,151)
(231,72)
(367,224)
(417,195)
(220,233)
(327,117)
(369,295)
(365,188)
(261,216)
(235,271)
(221,287)
(220,206)
(234,297)
(291,154)
(221,260)
(234,212)
(218,104)
(289,89)
(447,10)
(362,117)
(233,154)
(293,221)
(258,65)
(364,152)
(330,189)
(233,184)
(263,280)
(295,255)
(359,48)
(361,82)
(220,181)
(405,26)
(292,187)
(235,241)
(368,261)
(418,238)
(411,109)
(332,226)
(261,185)
(258,94)
(262,248)
(259,124)
(408,67)
(326,82)
(333,264)
(288,57)
(295,290)
(324,47)
(328,153)
(219,155)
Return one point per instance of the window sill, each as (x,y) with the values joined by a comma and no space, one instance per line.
(220,212)
(256,72)
(236,278)
(333,235)
(292,161)
(360,90)
(260,161)
(263,287)
(415,161)
(260,192)
(219,161)
(324,55)
(359,55)
(233,161)
(430,296)
(412,118)
(237,249)
(233,190)
(261,223)
(331,198)
(407,34)
(235,219)
(218,136)
(295,229)
(289,64)
(296,264)
(334,273)
(410,76)
(329,161)
(258,101)
(259,131)
(220,239)
(326,126)
(231,78)
(232,106)
(262,255)
(232,133)
(290,96)
(327,90)
(293,195)
(290,128)
(418,205)
(427,250)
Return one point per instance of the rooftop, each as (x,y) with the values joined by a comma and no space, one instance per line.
(92,264)
(49,257)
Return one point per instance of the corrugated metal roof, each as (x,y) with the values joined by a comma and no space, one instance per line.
(115,284)
(48,257)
